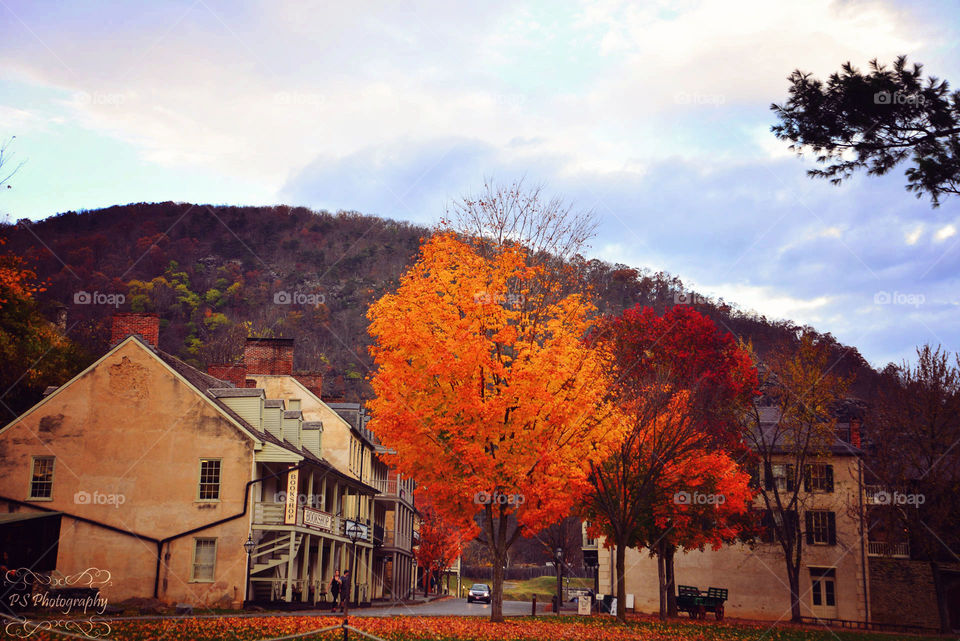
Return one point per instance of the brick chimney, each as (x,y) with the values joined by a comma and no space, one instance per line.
(269,356)
(313,381)
(855,432)
(146,326)
(235,373)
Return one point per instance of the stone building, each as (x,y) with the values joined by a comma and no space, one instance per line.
(834,581)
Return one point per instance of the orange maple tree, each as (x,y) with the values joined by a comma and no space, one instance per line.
(486,390)
(440,542)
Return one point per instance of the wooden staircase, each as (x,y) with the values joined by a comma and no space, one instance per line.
(274,550)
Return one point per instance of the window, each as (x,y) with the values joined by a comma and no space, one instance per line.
(204,559)
(818,477)
(209,479)
(823,589)
(41,482)
(780,476)
(771,520)
(821,528)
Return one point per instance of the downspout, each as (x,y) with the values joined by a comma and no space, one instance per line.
(863,544)
(246,500)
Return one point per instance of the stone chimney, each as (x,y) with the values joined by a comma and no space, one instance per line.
(146,326)
(235,373)
(269,356)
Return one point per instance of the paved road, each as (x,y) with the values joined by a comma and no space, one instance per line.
(449,607)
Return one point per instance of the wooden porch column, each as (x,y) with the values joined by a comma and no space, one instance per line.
(318,574)
(305,578)
(291,557)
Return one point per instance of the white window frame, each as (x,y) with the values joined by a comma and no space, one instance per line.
(33,471)
(193,564)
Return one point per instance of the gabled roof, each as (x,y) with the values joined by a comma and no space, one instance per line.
(215,389)
(235,392)
(769,417)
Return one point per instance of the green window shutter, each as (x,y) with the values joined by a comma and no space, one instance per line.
(832,527)
(829,478)
(809,520)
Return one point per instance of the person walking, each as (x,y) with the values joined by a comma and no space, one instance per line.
(345,591)
(335,586)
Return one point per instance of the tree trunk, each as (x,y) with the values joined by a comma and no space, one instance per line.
(496,596)
(662,582)
(669,554)
(621,583)
(793,577)
(942,609)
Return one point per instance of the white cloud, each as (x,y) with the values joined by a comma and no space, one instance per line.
(945,232)
(914,234)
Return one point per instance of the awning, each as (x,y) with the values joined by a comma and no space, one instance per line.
(29,540)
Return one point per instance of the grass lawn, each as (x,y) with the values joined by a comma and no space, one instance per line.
(568,628)
(544,587)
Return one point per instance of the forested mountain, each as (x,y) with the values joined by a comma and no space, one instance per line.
(216,274)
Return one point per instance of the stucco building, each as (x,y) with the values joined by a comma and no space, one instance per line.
(161,473)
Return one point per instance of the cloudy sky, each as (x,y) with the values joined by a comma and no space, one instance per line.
(655,115)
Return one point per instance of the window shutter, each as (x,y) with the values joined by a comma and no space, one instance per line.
(832,527)
(755,476)
(768,476)
(790,478)
(807,471)
(809,519)
(829,469)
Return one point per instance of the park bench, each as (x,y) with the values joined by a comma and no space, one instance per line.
(696,603)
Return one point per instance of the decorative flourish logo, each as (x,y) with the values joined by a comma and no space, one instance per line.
(89,628)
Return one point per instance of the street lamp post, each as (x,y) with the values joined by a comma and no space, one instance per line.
(558,561)
(248,545)
(353,531)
